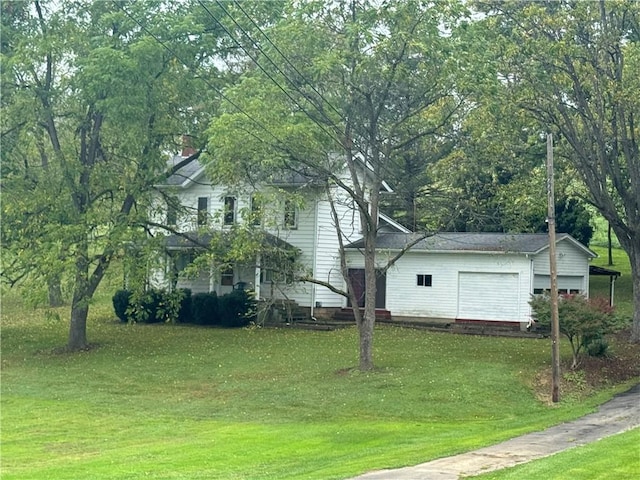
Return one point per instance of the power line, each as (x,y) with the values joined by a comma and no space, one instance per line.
(209,84)
(295,69)
(281,145)
(384,167)
(257,63)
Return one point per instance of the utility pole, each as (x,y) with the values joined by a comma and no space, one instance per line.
(555,322)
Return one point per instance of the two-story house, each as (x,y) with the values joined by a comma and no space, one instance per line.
(301,222)
(452,277)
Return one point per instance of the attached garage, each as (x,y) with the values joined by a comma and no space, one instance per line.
(488,296)
(487,277)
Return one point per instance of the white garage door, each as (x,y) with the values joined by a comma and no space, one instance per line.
(488,296)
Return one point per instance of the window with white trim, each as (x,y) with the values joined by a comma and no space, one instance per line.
(229,215)
(290,215)
(203,211)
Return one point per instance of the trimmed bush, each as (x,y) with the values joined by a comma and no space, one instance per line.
(205,309)
(150,303)
(184,314)
(237,309)
(121,301)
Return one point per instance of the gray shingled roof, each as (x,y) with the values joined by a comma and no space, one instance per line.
(203,239)
(191,171)
(471,242)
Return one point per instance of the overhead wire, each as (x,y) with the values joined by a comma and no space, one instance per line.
(384,167)
(286,59)
(209,84)
(280,145)
(268,74)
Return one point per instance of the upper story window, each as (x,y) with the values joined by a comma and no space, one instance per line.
(256,210)
(172,215)
(203,211)
(290,215)
(229,215)
(424,280)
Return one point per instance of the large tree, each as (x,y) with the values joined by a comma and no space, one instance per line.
(573,66)
(94,96)
(347,86)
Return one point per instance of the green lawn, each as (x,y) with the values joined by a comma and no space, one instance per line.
(616,457)
(599,286)
(178,402)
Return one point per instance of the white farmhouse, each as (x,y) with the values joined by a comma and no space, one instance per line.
(451,277)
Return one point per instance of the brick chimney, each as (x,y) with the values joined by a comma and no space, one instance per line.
(187,146)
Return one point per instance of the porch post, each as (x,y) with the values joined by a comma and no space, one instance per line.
(256,278)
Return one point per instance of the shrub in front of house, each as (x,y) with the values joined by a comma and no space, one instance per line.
(121,301)
(184,314)
(205,309)
(233,310)
(237,309)
(148,307)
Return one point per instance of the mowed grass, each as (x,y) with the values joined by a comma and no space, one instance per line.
(616,457)
(178,402)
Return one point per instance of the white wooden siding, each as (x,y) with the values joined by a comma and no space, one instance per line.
(405,298)
(572,267)
(199,284)
(327,260)
(565,282)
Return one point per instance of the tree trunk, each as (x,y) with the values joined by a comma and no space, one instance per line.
(634,257)
(631,244)
(369,317)
(55,292)
(78,325)
(370,229)
(609,246)
(80,303)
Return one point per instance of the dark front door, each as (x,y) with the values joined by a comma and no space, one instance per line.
(357,277)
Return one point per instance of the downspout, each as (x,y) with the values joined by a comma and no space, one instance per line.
(612,283)
(531,287)
(315,256)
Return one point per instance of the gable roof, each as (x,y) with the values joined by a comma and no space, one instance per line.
(185,175)
(523,243)
(386,219)
(192,171)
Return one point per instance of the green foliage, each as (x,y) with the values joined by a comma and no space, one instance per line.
(92,103)
(233,310)
(186,305)
(572,68)
(144,305)
(583,321)
(237,309)
(169,306)
(573,218)
(205,309)
(120,302)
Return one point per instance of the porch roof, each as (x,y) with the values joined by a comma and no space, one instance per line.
(202,240)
